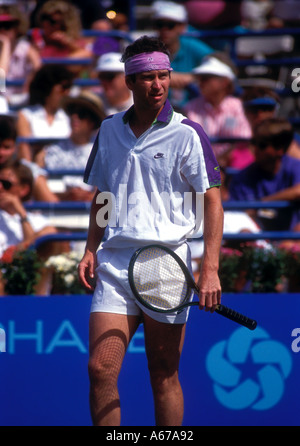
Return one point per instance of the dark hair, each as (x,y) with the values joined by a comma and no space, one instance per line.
(7,128)
(23,173)
(144,44)
(277,132)
(45,79)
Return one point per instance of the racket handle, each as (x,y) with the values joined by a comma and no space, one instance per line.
(236,317)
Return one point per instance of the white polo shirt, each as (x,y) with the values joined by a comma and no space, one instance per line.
(153,185)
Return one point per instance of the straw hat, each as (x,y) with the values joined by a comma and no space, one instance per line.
(87,100)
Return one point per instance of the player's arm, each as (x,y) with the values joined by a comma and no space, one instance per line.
(208,282)
(86,267)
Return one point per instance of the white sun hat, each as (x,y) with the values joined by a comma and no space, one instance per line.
(212,65)
(110,62)
(169,11)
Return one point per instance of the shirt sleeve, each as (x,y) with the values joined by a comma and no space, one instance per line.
(211,165)
(93,173)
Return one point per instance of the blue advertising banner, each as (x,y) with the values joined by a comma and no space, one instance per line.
(230,376)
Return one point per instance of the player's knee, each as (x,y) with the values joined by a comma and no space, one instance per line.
(163,383)
(102,372)
(162,373)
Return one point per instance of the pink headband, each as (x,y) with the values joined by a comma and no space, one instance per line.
(147,62)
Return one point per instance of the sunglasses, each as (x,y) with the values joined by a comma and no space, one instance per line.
(54,22)
(159,24)
(262,145)
(7,25)
(107,76)
(81,113)
(6,184)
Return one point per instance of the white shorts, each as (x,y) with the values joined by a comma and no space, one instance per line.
(113,293)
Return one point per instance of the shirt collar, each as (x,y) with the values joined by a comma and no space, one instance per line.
(165,114)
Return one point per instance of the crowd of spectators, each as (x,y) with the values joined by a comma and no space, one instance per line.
(63,76)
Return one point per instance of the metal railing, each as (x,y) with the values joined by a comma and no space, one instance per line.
(231,34)
(241,236)
(227,205)
(230,205)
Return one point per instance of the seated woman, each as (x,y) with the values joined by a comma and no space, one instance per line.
(8,154)
(18,227)
(220,112)
(261,102)
(86,113)
(44,117)
(58,31)
(18,57)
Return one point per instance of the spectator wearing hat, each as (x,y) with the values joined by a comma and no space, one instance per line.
(115,94)
(186,53)
(86,114)
(261,102)
(273,176)
(219,112)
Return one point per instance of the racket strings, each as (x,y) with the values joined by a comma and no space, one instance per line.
(159,279)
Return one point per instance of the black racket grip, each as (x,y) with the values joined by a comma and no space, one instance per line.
(236,317)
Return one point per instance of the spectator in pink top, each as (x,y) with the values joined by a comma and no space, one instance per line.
(219,112)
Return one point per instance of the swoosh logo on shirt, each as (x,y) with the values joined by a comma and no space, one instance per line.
(159,155)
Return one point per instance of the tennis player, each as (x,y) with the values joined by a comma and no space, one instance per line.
(158,182)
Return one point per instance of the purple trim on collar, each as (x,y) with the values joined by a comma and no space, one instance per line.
(166,113)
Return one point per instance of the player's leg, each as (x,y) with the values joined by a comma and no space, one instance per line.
(164,344)
(110,335)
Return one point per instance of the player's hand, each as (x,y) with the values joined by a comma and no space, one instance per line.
(86,270)
(209,290)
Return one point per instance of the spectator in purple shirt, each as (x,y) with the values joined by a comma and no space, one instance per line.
(273,176)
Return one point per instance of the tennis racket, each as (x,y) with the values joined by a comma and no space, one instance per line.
(161,281)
